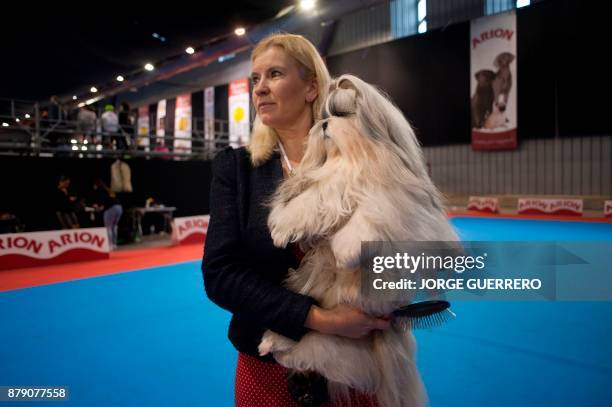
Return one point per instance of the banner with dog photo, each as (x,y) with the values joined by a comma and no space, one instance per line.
(493,82)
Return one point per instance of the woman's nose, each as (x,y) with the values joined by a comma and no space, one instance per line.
(261,88)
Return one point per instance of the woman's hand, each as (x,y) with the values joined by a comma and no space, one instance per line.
(344,320)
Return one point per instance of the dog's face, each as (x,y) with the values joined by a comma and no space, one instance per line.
(339,138)
(484,77)
(503,60)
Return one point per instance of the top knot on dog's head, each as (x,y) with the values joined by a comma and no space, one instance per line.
(342,99)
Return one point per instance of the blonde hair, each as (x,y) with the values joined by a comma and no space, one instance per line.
(264,138)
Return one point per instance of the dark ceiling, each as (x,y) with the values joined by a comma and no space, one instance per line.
(68,49)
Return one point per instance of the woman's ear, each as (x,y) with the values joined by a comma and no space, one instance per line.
(312,92)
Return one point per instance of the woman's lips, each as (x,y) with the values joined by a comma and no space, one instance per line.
(264,106)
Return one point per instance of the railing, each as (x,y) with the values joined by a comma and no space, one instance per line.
(25,131)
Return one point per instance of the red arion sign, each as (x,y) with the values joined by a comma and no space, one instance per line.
(19,250)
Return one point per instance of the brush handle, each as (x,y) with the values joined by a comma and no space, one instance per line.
(422,309)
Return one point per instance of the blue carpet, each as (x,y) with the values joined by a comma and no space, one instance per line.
(152,338)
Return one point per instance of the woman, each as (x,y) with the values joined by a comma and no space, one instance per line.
(243,271)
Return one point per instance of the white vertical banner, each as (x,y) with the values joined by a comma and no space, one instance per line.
(160,126)
(239,112)
(493,82)
(209,115)
(143,126)
(182,124)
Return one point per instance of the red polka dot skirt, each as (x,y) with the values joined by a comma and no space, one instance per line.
(261,384)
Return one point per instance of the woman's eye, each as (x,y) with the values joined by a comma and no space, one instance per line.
(275,73)
(254,80)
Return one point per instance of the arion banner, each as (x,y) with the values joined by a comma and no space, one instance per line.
(35,249)
(190,229)
(493,82)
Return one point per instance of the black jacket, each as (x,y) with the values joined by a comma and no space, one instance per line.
(243,271)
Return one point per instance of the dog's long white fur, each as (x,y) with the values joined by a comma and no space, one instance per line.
(362,179)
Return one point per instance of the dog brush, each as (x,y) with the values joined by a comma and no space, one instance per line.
(423,315)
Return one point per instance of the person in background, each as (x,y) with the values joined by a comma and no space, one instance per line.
(110,126)
(63,204)
(86,123)
(56,110)
(127,127)
(106,200)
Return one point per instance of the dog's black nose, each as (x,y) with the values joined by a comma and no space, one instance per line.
(324,125)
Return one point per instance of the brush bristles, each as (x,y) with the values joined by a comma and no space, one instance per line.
(425,322)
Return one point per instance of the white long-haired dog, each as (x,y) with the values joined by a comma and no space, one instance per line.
(362,178)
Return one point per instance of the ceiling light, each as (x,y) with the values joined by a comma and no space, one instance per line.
(223,58)
(74,98)
(27,116)
(93,89)
(307,5)
(159,37)
(190,50)
(120,78)
(149,67)
(239,31)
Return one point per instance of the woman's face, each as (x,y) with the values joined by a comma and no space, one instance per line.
(280,94)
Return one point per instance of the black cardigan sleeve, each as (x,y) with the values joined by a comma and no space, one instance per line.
(228,279)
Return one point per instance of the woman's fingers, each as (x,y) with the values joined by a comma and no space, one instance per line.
(345,320)
(381,324)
